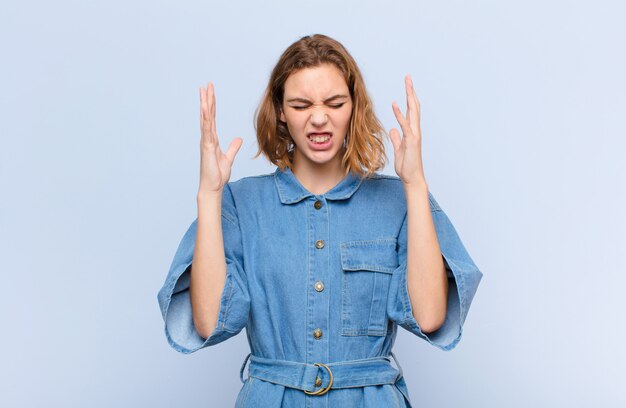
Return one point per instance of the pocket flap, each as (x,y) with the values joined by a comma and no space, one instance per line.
(377,255)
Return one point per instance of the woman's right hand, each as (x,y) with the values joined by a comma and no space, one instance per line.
(215,165)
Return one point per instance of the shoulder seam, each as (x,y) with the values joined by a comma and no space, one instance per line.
(253,176)
(384,176)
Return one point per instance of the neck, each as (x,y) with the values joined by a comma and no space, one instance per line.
(318,178)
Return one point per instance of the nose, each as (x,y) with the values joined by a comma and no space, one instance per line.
(319,117)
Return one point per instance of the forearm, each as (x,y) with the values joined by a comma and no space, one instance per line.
(208,271)
(427,281)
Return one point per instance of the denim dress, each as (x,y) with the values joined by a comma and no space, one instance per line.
(319,283)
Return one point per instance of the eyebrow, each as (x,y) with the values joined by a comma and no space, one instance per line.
(303,100)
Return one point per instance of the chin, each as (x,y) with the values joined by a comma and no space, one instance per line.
(322,157)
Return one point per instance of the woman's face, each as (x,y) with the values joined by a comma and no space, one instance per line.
(317,108)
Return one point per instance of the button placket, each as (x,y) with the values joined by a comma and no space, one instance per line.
(317,317)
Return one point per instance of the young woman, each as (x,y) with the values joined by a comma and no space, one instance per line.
(322,259)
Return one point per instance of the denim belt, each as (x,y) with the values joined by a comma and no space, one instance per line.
(318,378)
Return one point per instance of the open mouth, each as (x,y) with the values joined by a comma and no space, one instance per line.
(319,138)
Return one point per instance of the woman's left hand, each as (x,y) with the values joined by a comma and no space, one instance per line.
(408,149)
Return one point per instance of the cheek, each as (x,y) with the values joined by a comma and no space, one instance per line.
(346,117)
(295,122)
(299,119)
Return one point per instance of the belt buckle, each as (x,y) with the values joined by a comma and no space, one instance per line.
(323,390)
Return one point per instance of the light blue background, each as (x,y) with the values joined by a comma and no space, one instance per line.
(523,107)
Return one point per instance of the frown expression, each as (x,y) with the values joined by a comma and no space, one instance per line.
(317,108)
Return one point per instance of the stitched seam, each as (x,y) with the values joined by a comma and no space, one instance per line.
(460,283)
(434,206)
(405,297)
(308,275)
(255,176)
(275,379)
(404,397)
(345,255)
(245,397)
(359,361)
(289,382)
(362,332)
(232,283)
(285,200)
(348,329)
(378,176)
(228,303)
(373,268)
(329,257)
(227,217)
(395,394)
(345,308)
(368,242)
(365,379)
(371,302)
(280,190)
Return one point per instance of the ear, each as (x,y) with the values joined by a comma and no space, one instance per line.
(282,116)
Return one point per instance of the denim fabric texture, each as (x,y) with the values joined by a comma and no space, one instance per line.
(317,279)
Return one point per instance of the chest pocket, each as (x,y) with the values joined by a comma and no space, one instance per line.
(367,268)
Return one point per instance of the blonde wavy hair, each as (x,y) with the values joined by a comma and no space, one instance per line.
(364,148)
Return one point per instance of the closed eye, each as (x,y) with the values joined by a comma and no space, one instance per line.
(334,106)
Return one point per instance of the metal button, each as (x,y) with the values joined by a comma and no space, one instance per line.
(317,205)
(317,333)
(319,286)
(318,381)
(319,244)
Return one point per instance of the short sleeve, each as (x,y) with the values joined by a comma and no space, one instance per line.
(463,280)
(174,299)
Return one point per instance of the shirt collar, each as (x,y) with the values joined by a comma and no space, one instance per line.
(291,191)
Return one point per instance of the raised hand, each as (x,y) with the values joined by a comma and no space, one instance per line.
(408,149)
(215,166)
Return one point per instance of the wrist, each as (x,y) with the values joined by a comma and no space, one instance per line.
(416,188)
(209,196)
